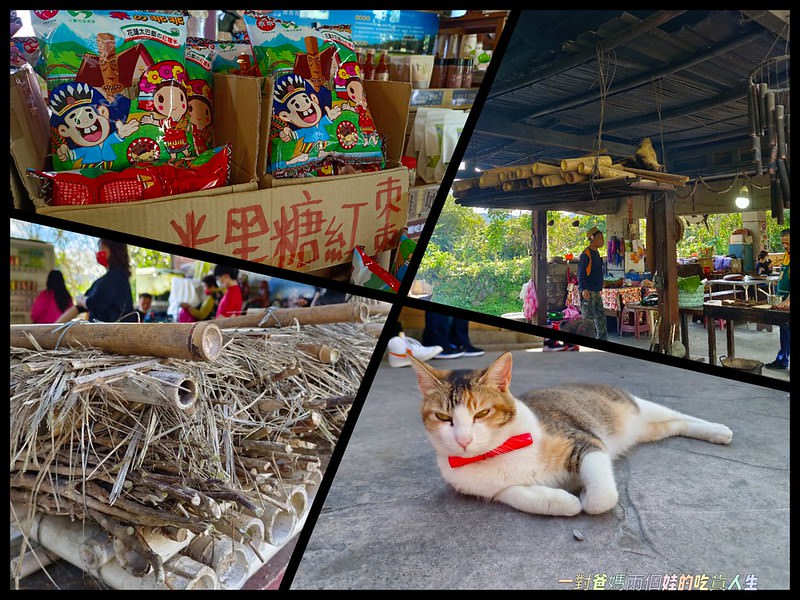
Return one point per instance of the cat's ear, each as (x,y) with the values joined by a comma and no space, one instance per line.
(498,374)
(427,377)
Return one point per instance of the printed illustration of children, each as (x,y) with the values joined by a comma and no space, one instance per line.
(163,90)
(348,76)
(80,115)
(296,104)
(200,114)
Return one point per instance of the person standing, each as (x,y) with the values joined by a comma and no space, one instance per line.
(52,301)
(590,283)
(451,333)
(228,280)
(781,361)
(109,298)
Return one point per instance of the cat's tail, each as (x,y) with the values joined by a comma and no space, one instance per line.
(658,422)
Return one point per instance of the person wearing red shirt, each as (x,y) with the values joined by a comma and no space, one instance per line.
(51,302)
(228,280)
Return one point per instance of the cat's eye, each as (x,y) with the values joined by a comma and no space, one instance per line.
(443,416)
(481,414)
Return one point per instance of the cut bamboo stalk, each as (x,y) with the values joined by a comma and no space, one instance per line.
(524,172)
(322,352)
(571,164)
(345,312)
(545,169)
(462,185)
(35,558)
(279,525)
(188,341)
(221,554)
(608,172)
(553,180)
(161,388)
(573,177)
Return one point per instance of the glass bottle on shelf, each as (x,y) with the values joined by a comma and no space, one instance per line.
(382,70)
(369,64)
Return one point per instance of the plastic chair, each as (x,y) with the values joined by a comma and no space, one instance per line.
(634,320)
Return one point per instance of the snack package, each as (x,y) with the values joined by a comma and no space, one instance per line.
(368,273)
(199,67)
(235,58)
(321,123)
(116,82)
(25,50)
(99,186)
(405,249)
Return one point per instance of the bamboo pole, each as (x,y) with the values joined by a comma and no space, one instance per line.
(545,169)
(354,312)
(190,341)
(654,175)
(571,164)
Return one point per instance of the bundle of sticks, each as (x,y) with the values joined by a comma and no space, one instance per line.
(151,452)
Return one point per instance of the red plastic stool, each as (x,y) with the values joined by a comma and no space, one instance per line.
(634,320)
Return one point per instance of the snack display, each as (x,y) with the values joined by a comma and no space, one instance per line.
(321,124)
(100,186)
(117,83)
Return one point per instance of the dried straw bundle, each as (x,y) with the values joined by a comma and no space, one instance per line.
(142,446)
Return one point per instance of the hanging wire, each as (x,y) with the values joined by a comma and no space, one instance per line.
(657,89)
(604,77)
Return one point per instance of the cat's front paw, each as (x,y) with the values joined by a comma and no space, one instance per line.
(599,500)
(720,434)
(563,504)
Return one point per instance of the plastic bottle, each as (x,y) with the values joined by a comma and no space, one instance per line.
(382,70)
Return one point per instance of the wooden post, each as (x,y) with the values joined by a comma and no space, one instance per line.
(539,262)
(661,250)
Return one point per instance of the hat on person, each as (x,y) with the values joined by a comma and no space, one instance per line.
(592,232)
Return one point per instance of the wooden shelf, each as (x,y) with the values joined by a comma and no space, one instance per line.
(475,21)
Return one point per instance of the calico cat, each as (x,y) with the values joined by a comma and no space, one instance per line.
(536,452)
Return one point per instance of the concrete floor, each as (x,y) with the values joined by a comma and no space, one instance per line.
(717,514)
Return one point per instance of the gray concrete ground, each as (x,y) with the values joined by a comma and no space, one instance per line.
(750,342)
(713,515)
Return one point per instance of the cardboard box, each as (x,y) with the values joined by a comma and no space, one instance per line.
(740,238)
(305,224)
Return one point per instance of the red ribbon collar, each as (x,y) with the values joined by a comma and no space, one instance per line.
(513,443)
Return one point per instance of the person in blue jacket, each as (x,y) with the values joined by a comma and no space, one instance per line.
(590,283)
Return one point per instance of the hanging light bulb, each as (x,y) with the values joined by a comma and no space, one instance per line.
(743,199)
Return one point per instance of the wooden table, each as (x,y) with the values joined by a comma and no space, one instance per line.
(735,312)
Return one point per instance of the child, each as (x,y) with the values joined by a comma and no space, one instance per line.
(763,264)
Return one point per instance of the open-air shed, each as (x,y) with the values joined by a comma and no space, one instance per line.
(709,88)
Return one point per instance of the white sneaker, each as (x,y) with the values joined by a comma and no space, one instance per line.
(399,347)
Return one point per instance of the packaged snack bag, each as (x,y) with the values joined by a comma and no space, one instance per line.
(117,82)
(142,182)
(402,257)
(25,50)
(321,124)
(199,66)
(368,273)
